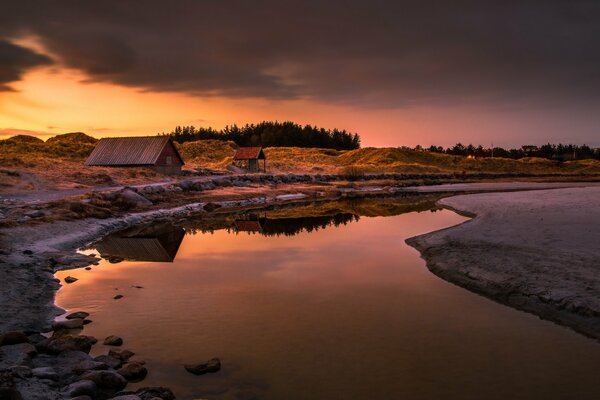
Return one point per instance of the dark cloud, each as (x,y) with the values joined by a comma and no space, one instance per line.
(380,53)
(15,60)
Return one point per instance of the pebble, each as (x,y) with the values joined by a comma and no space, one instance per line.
(211,366)
(117,297)
(70,279)
(113,340)
(74,323)
(78,314)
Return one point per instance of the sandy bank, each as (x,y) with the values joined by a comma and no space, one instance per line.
(538,251)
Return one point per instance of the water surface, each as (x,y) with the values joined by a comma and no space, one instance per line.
(345,311)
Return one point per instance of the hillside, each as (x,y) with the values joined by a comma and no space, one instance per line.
(27,163)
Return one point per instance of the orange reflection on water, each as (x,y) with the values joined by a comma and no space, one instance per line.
(348,312)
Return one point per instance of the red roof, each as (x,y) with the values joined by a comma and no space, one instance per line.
(249,153)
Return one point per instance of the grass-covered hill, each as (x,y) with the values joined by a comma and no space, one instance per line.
(28,163)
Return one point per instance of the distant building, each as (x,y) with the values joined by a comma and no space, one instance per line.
(158,152)
(250,157)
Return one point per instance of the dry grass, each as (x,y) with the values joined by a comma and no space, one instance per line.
(27,163)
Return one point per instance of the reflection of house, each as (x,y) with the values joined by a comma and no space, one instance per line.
(251,155)
(248,226)
(157,152)
(158,243)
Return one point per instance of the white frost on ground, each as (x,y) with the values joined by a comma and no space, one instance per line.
(538,251)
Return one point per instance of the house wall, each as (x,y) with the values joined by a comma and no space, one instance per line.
(168,151)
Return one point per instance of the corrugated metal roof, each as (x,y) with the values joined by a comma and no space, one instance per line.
(248,153)
(128,150)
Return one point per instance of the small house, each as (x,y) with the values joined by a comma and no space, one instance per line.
(157,152)
(250,156)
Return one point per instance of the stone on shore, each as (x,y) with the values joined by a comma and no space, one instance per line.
(89,365)
(75,323)
(45,373)
(78,314)
(210,207)
(69,342)
(70,279)
(211,366)
(13,337)
(111,361)
(117,297)
(113,340)
(149,393)
(122,355)
(133,371)
(106,379)
(81,388)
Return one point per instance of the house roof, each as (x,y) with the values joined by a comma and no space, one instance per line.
(248,226)
(249,153)
(156,245)
(143,150)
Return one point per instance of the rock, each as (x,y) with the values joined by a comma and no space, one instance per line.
(81,388)
(35,214)
(113,340)
(133,371)
(122,355)
(21,371)
(17,354)
(115,259)
(148,393)
(78,314)
(111,361)
(88,268)
(127,397)
(133,199)
(210,207)
(45,373)
(91,365)
(36,338)
(13,337)
(213,365)
(106,379)
(74,323)
(70,279)
(69,342)
(117,297)
(27,252)
(87,321)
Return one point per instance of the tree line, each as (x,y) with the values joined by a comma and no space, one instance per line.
(271,134)
(560,152)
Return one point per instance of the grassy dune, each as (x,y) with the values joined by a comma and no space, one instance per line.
(27,163)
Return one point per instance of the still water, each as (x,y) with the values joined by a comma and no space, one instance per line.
(319,307)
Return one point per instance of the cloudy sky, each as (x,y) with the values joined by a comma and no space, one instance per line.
(397,72)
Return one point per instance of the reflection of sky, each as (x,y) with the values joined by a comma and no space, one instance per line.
(348,312)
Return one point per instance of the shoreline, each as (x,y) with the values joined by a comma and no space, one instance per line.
(40,249)
(532,251)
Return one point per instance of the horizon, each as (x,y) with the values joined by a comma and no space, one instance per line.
(397,73)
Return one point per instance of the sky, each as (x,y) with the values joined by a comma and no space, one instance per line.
(396,72)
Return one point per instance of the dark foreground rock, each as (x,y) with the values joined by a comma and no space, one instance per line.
(211,366)
(113,340)
(108,379)
(134,371)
